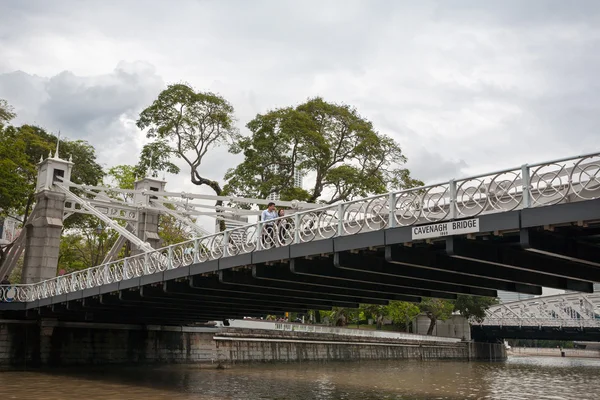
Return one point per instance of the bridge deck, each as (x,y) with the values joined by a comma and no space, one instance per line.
(351,253)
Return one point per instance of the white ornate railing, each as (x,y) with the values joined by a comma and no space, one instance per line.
(552,182)
(581,310)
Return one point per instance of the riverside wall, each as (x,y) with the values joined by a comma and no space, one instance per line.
(50,343)
(552,352)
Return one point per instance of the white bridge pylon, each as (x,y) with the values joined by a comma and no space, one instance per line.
(573,310)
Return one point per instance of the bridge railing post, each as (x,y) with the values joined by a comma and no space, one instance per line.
(259,234)
(452,212)
(392,210)
(170,257)
(340,215)
(296,228)
(196,251)
(146,264)
(126,274)
(526,185)
(106,273)
(226,243)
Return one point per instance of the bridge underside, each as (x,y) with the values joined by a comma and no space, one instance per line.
(519,251)
(495,333)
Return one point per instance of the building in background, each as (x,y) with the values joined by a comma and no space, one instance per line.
(508,297)
(298,174)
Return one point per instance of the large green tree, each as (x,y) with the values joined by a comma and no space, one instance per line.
(342,150)
(20,151)
(402,313)
(186,125)
(436,310)
(473,307)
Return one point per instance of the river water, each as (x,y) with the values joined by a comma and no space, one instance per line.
(518,378)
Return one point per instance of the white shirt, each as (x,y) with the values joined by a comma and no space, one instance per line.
(268,215)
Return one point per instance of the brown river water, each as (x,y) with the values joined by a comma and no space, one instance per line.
(518,378)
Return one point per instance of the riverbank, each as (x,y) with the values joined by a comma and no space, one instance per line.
(552,352)
(30,345)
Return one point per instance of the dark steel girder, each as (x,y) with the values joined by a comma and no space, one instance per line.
(509,256)
(426,258)
(200,307)
(560,246)
(377,265)
(242,278)
(125,314)
(159,295)
(185,290)
(324,268)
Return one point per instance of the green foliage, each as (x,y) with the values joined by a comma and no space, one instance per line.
(473,307)
(436,310)
(331,141)
(185,124)
(402,313)
(124,176)
(6,112)
(20,151)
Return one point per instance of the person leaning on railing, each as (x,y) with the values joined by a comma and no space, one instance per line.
(266,216)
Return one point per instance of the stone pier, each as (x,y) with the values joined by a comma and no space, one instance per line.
(43,237)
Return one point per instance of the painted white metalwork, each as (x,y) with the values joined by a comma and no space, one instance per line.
(559,181)
(574,310)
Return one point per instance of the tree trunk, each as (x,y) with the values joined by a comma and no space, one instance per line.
(317,317)
(431,326)
(214,185)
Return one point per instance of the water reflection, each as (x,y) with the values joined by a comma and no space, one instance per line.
(519,378)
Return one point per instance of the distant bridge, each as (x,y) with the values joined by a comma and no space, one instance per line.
(571,316)
(517,230)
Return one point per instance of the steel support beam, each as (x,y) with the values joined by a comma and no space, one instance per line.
(290,281)
(510,257)
(425,258)
(377,265)
(323,268)
(560,246)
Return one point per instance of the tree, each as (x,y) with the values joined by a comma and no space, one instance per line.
(402,313)
(376,312)
(332,142)
(20,151)
(6,112)
(186,124)
(473,307)
(436,310)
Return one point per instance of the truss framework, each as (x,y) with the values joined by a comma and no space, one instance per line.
(565,310)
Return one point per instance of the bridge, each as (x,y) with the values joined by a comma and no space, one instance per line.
(516,230)
(570,316)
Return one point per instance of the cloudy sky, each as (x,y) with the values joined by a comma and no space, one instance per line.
(464,86)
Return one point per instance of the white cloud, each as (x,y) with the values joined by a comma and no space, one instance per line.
(464,86)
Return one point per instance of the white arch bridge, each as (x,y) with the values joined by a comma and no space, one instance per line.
(570,310)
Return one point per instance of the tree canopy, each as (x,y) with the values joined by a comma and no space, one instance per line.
(473,307)
(6,112)
(20,151)
(185,124)
(331,142)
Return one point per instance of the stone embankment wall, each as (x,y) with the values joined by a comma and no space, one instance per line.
(61,344)
(553,352)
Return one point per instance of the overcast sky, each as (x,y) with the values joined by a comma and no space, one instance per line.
(465,86)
